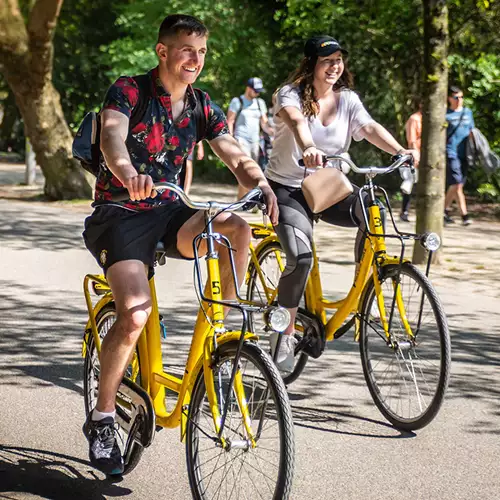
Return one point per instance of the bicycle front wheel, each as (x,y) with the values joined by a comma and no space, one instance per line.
(263,289)
(239,471)
(407,374)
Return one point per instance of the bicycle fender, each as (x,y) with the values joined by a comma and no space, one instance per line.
(106,299)
(223,338)
(272,238)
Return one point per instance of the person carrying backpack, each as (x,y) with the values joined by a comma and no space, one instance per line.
(122,236)
(460,124)
(246,117)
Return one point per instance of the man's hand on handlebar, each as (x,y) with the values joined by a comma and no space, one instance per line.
(140,187)
(271,203)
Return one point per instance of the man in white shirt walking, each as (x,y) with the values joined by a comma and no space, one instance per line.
(246,116)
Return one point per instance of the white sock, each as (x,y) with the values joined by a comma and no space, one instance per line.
(98,415)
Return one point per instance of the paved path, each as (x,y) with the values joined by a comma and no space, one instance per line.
(345,449)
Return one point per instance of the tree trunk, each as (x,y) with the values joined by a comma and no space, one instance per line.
(432,169)
(26,62)
(30,161)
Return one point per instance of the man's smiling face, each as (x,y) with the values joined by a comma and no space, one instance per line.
(183,56)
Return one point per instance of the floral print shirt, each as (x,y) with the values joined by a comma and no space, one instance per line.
(158,145)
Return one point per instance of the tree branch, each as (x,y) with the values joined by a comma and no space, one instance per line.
(13,35)
(42,24)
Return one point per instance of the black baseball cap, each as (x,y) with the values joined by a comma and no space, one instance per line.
(256,84)
(322,46)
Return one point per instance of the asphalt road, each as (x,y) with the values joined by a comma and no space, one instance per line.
(345,449)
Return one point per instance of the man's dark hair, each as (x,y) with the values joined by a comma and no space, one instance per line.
(177,23)
(453,89)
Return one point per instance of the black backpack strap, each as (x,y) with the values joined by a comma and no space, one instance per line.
(199,116)
(145,92)
(239,111)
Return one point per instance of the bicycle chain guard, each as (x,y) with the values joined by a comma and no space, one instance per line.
(314,340)
(135,415)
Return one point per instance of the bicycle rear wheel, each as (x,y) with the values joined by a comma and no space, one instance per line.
(264,471)
(91,371)
(272,260)
(408,375)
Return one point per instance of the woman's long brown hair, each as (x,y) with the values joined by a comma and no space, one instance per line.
(303,78)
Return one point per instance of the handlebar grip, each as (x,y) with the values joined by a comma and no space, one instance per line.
(125,196)
(122,196)
(301,162)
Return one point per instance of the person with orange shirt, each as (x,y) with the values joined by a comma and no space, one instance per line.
(413,129)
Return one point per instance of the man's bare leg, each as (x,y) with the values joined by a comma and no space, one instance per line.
(231,226)
(462,204)
(451,195)
(129,284)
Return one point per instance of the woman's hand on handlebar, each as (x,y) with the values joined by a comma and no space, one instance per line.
(313,157)
(413,152)
(140,187)
(271,203)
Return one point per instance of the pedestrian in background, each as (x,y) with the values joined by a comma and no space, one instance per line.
(413,130)
(187,174)
(460,124)
(246,117)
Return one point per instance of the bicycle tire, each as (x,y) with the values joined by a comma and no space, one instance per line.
(90,393)
(251,353)
(412,357)
(254,295)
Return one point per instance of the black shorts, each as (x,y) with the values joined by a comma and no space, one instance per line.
(113,233)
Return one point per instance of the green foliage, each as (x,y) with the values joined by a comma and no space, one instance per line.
(80,68)
(488,192)
(97,41)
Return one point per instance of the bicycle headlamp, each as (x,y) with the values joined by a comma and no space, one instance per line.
(278,319)
(430,241)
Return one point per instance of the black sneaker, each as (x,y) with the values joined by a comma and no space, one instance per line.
(466,221)
(448,219)
(403,217)
(104,452)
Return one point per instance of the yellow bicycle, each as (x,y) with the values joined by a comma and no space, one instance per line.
(399,321)
(232,406)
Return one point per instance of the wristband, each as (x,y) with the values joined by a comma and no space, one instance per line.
(309,146)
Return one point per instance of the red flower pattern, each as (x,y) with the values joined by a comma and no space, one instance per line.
(129,89)
(155,140)
(174,141)
(184,122)
(140,127)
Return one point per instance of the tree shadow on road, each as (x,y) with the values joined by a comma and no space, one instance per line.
(333,421)
(52,476)
(41,337)
(42,228)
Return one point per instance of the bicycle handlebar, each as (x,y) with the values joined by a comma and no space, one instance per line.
(254,196)
(400,161)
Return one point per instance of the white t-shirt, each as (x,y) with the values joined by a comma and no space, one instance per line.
(247,125)
(334,139)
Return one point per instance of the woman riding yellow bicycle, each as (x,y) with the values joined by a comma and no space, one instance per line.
(316,113)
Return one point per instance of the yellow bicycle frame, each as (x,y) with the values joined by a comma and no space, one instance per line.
(316,303)
(153,378)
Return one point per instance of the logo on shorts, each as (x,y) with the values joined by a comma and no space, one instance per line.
(103,257)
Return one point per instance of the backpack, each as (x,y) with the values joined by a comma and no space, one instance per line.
(87,143)
(478,151)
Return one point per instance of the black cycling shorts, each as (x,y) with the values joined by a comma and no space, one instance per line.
(113,234)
